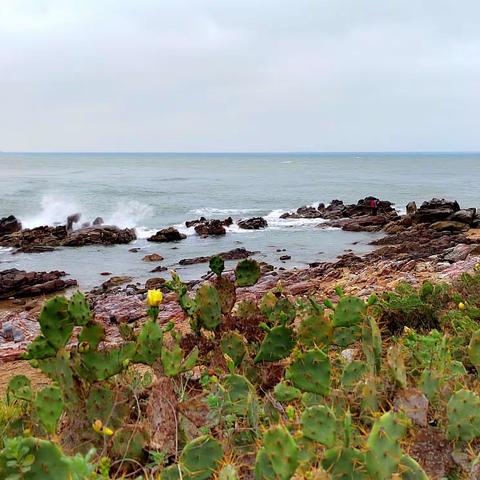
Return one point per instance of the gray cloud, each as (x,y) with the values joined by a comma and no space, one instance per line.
(199,75)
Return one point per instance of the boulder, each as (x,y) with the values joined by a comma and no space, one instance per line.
(211,227)
(465,215)
(29,238)
(98,221)
(435,210)
(411,208)
(9,225)
(169,234)
(20,283)
(192,223)
(254,223)
(154,283)
(71,219)
(476,221)
(99,235)
(152,257)
(449,226)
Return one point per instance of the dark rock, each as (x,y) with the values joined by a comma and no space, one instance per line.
(71,219)
(367,223)
(411,208)
(98,221)
(160,268)
(102,235)
(235,254)
(114,282)
(285,257)
(134,250)
(86,224)
(30,238)
(19,283)
(169,234)
(154,283)
(106,274)
(9,225)
(152,257)
(449,226)
(211,227)
(435,210)
(192,223)
(465,215)
(254,223)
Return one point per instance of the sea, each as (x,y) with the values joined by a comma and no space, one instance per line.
(150,191)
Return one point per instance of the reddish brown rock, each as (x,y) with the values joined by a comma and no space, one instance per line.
(167,235)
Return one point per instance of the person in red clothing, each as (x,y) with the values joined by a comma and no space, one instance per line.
(374,206)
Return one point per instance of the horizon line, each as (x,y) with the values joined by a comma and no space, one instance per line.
(240,152)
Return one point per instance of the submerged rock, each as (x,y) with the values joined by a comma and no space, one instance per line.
(211,227)
(235,254)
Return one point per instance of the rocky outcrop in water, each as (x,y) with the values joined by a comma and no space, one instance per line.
(169,234)
(45,238)
(213,227)
(255,223)
(19,283)
(9,225)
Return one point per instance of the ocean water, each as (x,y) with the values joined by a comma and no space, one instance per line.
(150,191)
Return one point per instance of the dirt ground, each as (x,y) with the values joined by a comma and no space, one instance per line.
(20,367)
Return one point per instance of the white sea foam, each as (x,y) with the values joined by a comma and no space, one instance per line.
(277,223)
(129,214)
(54,209)
(210,212)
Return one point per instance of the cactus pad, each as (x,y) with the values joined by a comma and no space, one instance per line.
(463,413)
(78,309)
(353,373)
(226,292)
(310,372)
(208,313)
(92,334)
(234,345)
(149,343)
(277,344)
(348,312)
(247,273)
(319,424)
(200,458)
(19,387)
(55,322)
(49,407)
(286,393)
(217,265)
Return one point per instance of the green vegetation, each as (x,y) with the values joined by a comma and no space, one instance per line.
(260,390)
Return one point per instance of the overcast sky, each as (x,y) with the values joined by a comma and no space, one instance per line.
(239,75)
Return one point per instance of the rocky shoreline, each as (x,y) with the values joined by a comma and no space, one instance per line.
(436,241)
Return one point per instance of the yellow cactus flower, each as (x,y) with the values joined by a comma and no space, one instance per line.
(107,431)
(461,306)
(154,298)
(97,426)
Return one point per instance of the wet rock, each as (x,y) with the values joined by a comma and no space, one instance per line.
(285,257)
(9,225)
(414,404)
(192,223)
(235,254)
(449,226)
(465,215)
(435,210)
(71,219)
(366,223)
(254,223)
(211,227)
(101,235)
(98,221)
(411,208)
(31,238)
(106,274)
(20,283)
(169,234)
(114,282)
(152,257)
(134,250)
(160,268)
(153,283)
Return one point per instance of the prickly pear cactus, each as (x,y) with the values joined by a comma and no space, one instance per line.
(345,336)
(100,405)
(208,313)
(348,312)
(278,458)
(149,343)
(319,424)
(198,461)
(267,304)
(345,463)
(372,344)
(92,334)
(396,365)
(234,345)
(474,350)
(247,273)
(48,405)
(38,459)
(383,445)
(353,373)
(55,322)
(129,442)
(238,394)
(316,328)
(409,469)
(217,265)
(39,349)
(310,371)
(286,393)
(277,344)
(228,472)
(173,362)
(78,309)
(19,387)
(227,293)
(463,413)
